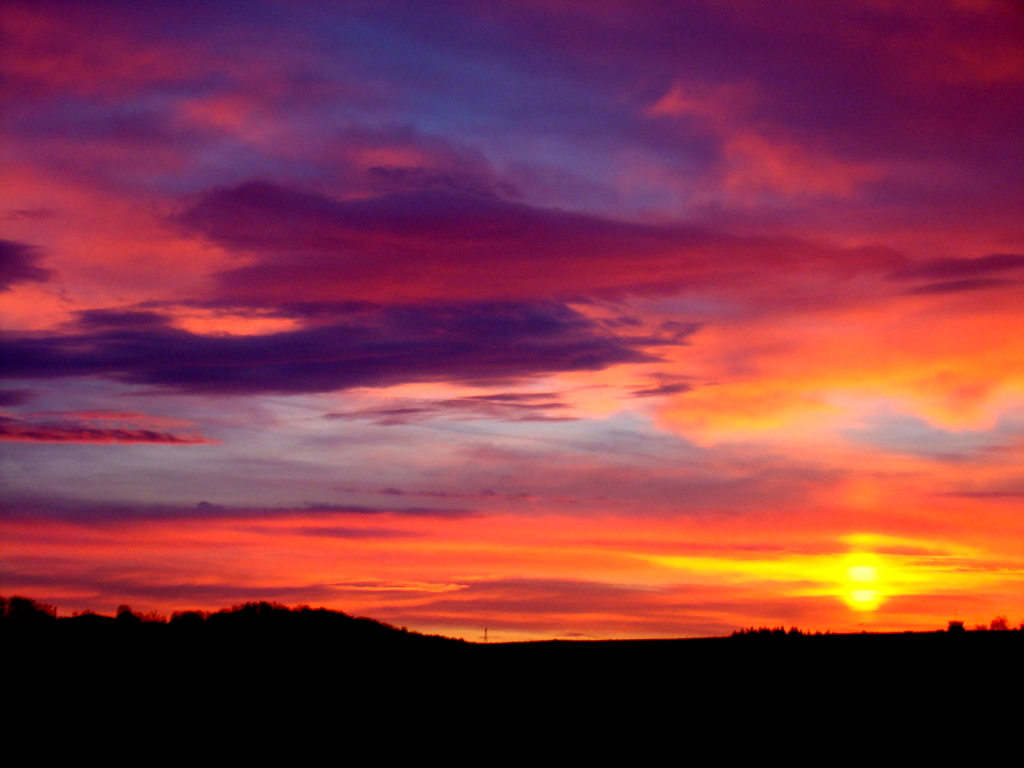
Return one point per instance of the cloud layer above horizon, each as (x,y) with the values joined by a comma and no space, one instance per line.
(609,319)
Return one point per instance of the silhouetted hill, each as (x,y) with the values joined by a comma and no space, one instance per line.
(244,634)
(261,657)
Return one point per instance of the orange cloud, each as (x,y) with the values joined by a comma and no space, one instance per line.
(536,576)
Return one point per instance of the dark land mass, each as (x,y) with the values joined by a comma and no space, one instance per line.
(261,658)
(293,638)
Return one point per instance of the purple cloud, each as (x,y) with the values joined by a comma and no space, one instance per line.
(499,407)
(88,512)
(9,397)
(18,265)
(960,275)
(479,342)
(962,269)
(25,431)
(439,244)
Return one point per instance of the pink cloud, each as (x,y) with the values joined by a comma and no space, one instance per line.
(23,431)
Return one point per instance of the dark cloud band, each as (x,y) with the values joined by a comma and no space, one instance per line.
(18,264)
(23,431)
(386,346)
(438,244)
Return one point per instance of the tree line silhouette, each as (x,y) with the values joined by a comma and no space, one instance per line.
(998,624)
(260,652)
(258,619)
(274,617)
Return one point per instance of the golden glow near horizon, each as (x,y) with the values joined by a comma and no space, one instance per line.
(448,575)
(862,579)
(863,575)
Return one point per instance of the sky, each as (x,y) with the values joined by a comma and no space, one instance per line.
(563,320)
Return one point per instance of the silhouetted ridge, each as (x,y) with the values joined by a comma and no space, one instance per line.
(274,618)
(258,655)
(22,610)
(242,632)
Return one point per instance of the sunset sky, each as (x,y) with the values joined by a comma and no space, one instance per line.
(602,319)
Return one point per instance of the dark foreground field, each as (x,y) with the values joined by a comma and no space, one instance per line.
(277,645)
(259,662)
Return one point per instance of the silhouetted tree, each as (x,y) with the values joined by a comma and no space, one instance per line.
(999,624)
(127,615)
(767,632)
(23,610)
(188,618)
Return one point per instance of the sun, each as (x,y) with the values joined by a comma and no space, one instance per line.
(861,584)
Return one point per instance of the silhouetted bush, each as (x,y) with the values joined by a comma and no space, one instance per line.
(22,610)
(188,618)
(768,632)
(127,615)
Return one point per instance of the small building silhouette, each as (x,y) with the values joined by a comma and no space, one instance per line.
(955,626)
